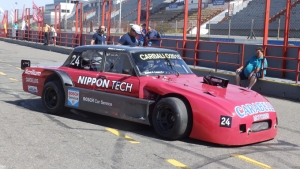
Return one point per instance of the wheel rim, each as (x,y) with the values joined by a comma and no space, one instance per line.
(165,118)
(51,98)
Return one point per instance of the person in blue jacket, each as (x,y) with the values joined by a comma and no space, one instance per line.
(99,38)
(253,68)
(131,38)
(143,35)
(153,37)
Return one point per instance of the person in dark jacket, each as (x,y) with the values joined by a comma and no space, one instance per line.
(153,37)
(131,38)
(99,38)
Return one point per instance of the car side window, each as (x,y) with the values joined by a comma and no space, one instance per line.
(117,62)
(87,60)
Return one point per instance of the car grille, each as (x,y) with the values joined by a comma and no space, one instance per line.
(262,125)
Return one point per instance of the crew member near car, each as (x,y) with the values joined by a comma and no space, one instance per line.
(99,38)
(131,37)
(253,68)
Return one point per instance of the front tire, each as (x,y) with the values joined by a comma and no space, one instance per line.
(53,98)
(171,118)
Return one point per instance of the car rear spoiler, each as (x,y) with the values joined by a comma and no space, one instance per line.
(25,64)
(215,81)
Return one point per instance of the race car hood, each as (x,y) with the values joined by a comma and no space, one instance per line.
(234,97)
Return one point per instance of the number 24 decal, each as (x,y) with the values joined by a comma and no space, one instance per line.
(225,121)
(75,60)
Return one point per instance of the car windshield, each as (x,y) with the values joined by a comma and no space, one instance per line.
(160,63)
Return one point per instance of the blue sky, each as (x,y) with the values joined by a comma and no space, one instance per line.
(7,4)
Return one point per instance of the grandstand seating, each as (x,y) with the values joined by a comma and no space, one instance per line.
(173,15)
(129,10)
(166,15)
(206,14)
(241,21)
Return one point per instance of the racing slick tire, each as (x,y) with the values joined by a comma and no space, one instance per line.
(53,98)
(171,118)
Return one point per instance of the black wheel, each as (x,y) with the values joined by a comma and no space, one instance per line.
(171,118)
(53,98)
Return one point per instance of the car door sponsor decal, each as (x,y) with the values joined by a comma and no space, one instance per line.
(105,83)
(73,97)
(32,89)
(225,121)
(32,72)
(93,100)
(32,80)
(253,108)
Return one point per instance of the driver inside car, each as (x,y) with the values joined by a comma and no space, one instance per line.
(143,66)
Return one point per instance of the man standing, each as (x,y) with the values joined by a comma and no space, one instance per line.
(46,34)
(143,35)
(131,37)
(53,35)
(99,38)
(15,30)
(253,68)
(153,37)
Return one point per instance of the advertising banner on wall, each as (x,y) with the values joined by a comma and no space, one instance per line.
(218,2)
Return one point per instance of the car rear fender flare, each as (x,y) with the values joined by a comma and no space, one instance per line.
(62,76)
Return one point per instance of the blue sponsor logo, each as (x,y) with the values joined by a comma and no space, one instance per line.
(73,97)
(254,108)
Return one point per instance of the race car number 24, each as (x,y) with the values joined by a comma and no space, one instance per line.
(225,121)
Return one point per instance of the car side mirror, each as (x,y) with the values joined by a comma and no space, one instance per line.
(126,71)
(24,64)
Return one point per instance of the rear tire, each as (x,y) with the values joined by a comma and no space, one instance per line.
(53,98)
(171,118)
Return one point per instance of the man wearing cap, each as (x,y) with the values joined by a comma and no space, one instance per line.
(131,37)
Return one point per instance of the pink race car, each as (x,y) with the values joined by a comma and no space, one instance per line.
(155,87)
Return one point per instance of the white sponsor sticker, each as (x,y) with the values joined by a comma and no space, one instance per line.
(73,97)
(32,72)
(253,108)
(32,89)
(261,117)
(32,80)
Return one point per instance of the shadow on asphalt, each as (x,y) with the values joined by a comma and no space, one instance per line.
(35,105)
